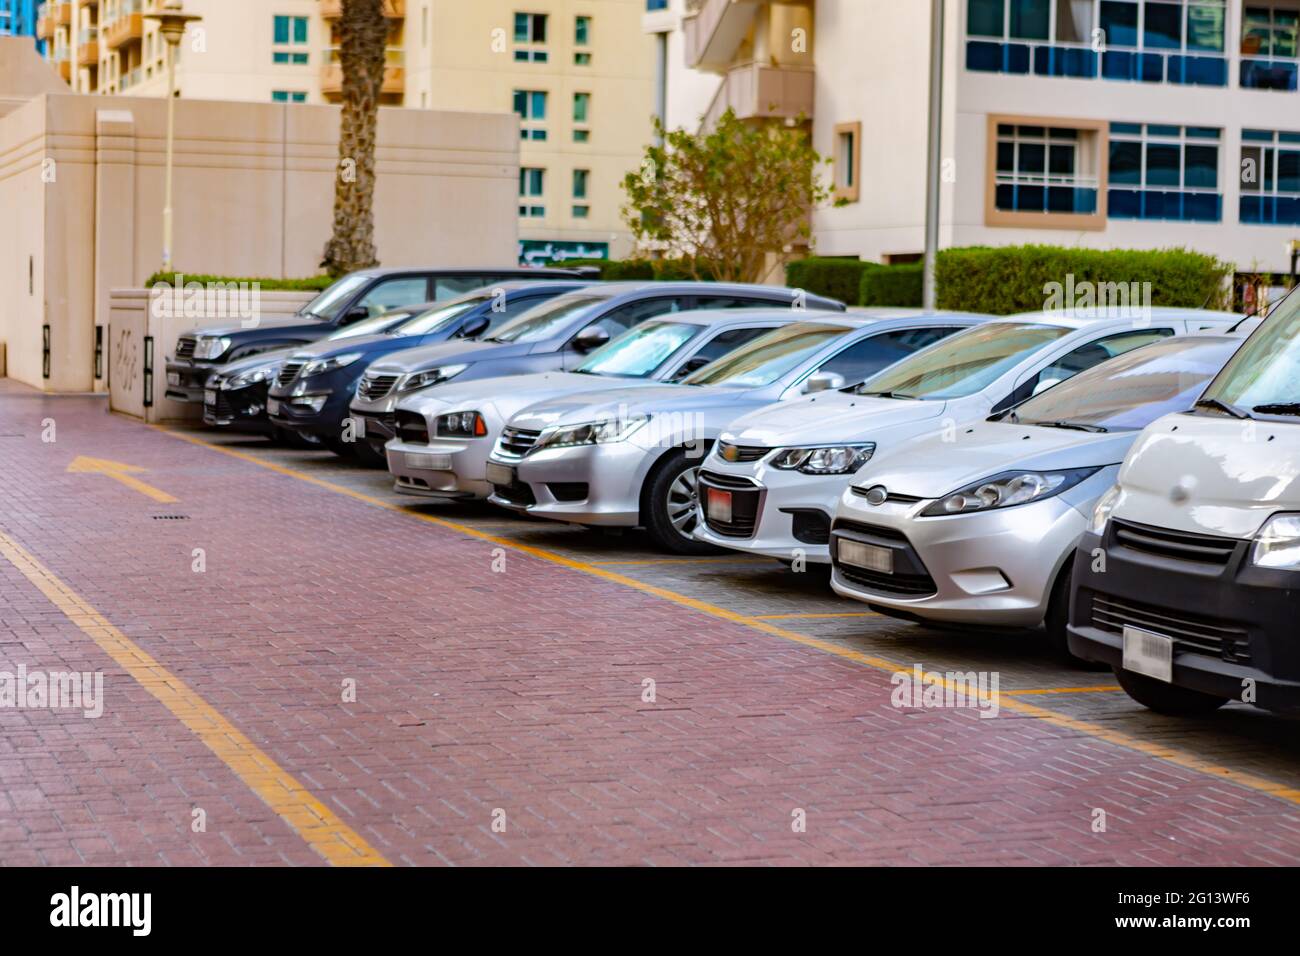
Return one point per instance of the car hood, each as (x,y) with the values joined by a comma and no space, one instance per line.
(272,357)
(365,344)
(1202,474)
(626,401)
(936,464)
(510,394)
(263,322)
(826,416)
(455,352)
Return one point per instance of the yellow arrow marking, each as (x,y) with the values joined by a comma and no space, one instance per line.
(118,472)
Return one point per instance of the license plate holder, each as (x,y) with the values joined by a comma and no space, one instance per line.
(718,504)
(870,557)
(1149,654)
(272,406)
(209,396)
(499,474)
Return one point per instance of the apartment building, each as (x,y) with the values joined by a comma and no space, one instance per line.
(18,19)
(578,73)
(1099,123)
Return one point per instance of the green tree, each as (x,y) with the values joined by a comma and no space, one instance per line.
(725,199)
(363,41)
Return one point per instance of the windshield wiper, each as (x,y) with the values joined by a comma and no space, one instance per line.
(1075,426)
(899,395)
(1278,408)
(1222,406)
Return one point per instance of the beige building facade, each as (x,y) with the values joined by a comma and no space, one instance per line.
(578,74)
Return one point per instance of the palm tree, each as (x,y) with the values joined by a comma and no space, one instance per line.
(363,38)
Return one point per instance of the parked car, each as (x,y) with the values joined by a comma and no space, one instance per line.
(444,437)
(776,474)
(558,336)
(1195,603)
(356,296)
(631,457)
(235,397)
(979,527)
(315,384)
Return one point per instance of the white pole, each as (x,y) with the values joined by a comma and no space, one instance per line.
(171,132)
(933,163)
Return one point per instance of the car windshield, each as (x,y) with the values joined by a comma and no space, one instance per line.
(964,363)
(1264,376)
(328,303)
(436,320)
(543,321)
(1131,391)
(768,357)
(641,351)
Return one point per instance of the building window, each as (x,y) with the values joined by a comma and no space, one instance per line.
(1152,41)
(581,177)
(532,183)
(1268,48)
(582,38)
(531,107)
(581,117)
(288,96)
(1270,178)
(289,40)
(1040,169)
(847,161)
(530,31)
(1164,172)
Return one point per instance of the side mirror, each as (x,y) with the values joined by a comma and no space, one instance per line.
(475,327)
(590,338)
(823,382)
(693,365)
(1045,383)
(355,314)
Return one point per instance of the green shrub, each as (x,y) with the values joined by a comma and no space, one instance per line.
(313,284)
(635,270)
(837,278)
(1013,279)
(898,285)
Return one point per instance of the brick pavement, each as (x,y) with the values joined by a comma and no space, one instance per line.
(518,691)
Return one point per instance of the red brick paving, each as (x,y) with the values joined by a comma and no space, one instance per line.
(479,690)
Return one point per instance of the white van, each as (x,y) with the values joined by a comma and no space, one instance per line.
(1188,580)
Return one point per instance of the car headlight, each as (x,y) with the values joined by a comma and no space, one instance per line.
(244,379)
(590,433)
(1007,490)
(320,366)
(210,346)
(1102,509)
(434,376)
(1278,543)
(830,460)
(460,425)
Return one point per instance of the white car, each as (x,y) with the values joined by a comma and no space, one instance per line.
(980,527)
(776,473)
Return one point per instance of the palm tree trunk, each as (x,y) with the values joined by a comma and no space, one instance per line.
(363,37)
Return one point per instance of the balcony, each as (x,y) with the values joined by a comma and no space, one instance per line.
(88,47)
(123,31)
(714,30)
(333,9)
(331,79)
(756,91)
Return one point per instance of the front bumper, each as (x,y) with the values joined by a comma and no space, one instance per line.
(440,469)
(294,411)
(993,568)
(186,379)
(586,484)
(1231,624)
(779,514)
(238,408)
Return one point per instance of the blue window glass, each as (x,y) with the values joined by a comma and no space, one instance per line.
(1163,28)
(281,29)
(1125,163)
(1030,19)
(984,18)
(1202,164)
(1119,22)
(1162,165)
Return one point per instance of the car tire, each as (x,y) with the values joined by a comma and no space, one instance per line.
(340,447)
(668,505)
(1166,698)
(1058,616)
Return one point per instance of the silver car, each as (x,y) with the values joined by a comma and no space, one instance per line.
(980,527)
(444,437)
(631,457)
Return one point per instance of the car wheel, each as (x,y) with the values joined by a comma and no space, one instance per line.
(1058,616)
(1166,698)
(341,448)
(668,505)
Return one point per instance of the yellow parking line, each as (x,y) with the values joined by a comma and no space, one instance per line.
(310,819)
(724,560)
(1118,738)
(786,617)
(1099,689)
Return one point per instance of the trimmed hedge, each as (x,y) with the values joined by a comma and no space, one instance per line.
(1012,279)
(898,285)
(313,284)
(634,270)
(837,278)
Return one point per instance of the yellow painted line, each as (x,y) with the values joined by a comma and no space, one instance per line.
(308,817)
(1063,721)
(740,558)
(121,472)
(786,617)
(1099,689)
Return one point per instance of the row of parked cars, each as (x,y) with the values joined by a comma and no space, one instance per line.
(1124,480)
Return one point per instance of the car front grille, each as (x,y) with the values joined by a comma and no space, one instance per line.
(185,347)
(519,493)
(411,427)
(741,453)
(746,500)
(910,577)
(517,442)
(1177,545)
(288,372)
(1190,632)
(374,387)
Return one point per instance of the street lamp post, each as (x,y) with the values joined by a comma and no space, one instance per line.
(172,22)
(934,163)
